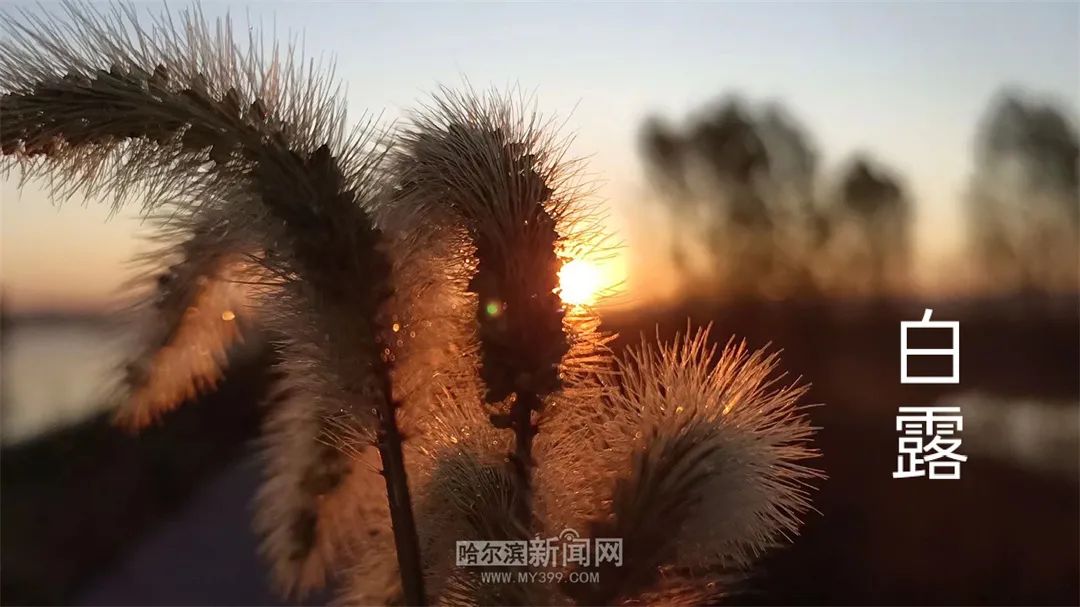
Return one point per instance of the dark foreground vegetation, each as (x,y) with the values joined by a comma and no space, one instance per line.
(78,503)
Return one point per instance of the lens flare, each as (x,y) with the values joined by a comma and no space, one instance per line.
(579,282)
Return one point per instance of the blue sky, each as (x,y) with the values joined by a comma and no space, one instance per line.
(907,82)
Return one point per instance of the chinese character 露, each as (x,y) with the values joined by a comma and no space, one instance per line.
(929,437)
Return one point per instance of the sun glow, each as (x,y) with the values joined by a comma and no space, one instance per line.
(579,282)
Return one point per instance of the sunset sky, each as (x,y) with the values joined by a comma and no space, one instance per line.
(906,82)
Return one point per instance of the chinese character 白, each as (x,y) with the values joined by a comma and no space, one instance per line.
(929,437)
(954,351)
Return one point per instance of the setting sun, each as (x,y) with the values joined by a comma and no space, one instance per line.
(579,282)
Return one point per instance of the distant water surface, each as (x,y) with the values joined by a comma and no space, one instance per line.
(53,373)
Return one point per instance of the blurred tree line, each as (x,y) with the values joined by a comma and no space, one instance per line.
(1024,208)
(753,217)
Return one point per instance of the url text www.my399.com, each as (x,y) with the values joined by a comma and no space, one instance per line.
(539,577)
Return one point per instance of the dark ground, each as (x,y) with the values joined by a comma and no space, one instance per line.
(92,516)
(76,503)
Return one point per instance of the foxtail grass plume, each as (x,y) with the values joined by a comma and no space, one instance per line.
(191,316)
(182,117)
(500,171)
(704,469)
(492,163)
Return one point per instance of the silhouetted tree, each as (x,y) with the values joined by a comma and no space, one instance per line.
(1025,218)
(739,181)
(871,229)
